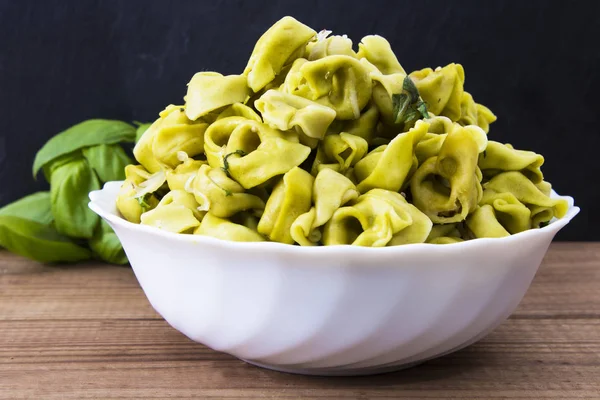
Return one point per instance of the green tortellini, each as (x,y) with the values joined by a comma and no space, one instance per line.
(544,187)
(221,228)
(444,234)
(291,198)
(239,110)
(512,203)
(447,187)
(278,46)
(345,149)
(384,89)
(171,133)
(129,203)
(251,152)
(388,166)
(366,125)
(319,144)
(329,46)
(513,215)
(377,51)
(176,212)
(484,224)
(431,143)
(210,91)
(472,113)
(500,157)
(378,218)
(339,82)
(221,195)
(285,111)
(331,190)
(543,208)
(443,90)
(180,177)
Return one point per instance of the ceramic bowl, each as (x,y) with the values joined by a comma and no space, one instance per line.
(339,310)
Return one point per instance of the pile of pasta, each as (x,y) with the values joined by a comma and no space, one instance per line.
(318,144)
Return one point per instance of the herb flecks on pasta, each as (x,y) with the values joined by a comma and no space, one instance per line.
(320,143)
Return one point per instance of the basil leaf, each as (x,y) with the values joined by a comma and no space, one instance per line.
(400,103)
(409,86)
(407,107)
(140,131)
(40,242)
(50,167)
(35,207)
(422,108)
(108,160)
(69,188)
(106,245)
(225,166)
(143,202)
(85,134)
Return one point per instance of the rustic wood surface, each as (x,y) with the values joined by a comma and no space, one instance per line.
(87,331)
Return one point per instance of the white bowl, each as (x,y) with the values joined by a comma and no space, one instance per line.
(339,310)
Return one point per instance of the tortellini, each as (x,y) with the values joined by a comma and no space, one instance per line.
(222,196)
(239,110)
(177,212)
(317,143)
(512,203)
(328,46)
(180,177)
(130,201)
(444,234)
(388,166)
(366,125)
(443,90)
(225,229)
(345,149)
(484,224)
(251,152)
(291,198)
(431,143)
(447,187)
(378,218)
(172,133)
(543,208)
(377,51)
(285,111)
(339,82)
(331,190)
(276,48)
(209,91)
(500,157)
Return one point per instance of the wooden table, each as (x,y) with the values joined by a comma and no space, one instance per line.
(87,331)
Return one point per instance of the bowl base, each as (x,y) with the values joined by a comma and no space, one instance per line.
(335,371)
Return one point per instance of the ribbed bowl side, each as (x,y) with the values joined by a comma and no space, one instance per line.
(330,311)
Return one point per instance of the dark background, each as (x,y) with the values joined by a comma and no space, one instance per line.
(534,63)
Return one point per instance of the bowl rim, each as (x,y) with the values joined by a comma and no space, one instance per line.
(110,190)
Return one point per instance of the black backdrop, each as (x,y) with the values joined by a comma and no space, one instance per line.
(534,63)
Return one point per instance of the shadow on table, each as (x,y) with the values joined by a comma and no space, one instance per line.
(443,368)
(450,371)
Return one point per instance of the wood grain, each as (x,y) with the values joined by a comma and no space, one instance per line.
(87,332)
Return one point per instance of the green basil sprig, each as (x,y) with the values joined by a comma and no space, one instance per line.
(106,245)
(58,226)
(70,185)
(408,106)
(85,134)
(26,228)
